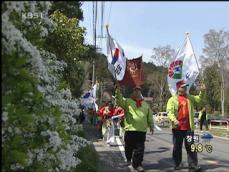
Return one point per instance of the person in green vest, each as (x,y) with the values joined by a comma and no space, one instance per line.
(180,108)
(138,117)
(203,118)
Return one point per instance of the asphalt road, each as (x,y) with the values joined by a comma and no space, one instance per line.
(158,154)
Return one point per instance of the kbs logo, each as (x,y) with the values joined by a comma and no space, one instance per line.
(32,15)
(175,69)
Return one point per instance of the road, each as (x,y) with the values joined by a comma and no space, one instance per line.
(158,155)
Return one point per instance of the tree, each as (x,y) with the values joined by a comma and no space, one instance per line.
(67,42)
(161,56)
(216,50)
(212,80)
(71,9)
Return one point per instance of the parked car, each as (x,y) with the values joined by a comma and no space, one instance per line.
(161,118)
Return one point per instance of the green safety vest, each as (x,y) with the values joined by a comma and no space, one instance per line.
(200,114)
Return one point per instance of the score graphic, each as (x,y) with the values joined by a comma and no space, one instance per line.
(206,138)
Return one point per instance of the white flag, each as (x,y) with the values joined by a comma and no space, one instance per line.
(88,100)
(183,67)
(93,91)
(116,60)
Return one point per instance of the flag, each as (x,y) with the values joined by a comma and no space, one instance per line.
(116,60)
(183,67)
(93,91)
(88,100)
(87,95)
(134,73)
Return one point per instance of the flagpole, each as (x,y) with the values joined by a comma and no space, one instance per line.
(110,49)
(187,36)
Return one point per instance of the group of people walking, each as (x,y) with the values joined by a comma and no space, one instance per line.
(135,116)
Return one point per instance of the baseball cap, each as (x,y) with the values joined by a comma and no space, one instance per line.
(181,83)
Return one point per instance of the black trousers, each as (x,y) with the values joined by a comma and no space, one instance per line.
(134,147)
(178,137)
(203,122)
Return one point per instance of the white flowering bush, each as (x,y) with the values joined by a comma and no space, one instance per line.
(38,124)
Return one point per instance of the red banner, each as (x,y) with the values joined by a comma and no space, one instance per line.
(133,73)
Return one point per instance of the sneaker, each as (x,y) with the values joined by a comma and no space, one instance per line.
(112,144)
(195,169)
(140,169)
(177,168)
(128,163)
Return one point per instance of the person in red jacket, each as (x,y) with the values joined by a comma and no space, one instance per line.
(110,115)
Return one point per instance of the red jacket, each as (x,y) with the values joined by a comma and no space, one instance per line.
(105,112)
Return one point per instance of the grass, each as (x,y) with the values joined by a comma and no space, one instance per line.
(89,158)
(217,132)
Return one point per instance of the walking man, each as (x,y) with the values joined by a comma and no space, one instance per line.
(181,114)
(138,117)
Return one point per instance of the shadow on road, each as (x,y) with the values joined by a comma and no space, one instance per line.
(160,150)
(164,164)
(214,163)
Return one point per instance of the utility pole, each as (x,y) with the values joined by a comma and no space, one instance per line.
(94,35)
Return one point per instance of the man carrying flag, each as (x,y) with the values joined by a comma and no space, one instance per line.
(183,66)
(138,114)
(138,117)
(89,104)
(180,106)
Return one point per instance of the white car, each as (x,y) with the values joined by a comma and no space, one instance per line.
(161,118)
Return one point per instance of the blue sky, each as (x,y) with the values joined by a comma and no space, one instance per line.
(141,26)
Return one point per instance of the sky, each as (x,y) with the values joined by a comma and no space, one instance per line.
(141,26)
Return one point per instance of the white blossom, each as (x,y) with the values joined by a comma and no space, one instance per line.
(30,156)
(16,167)
(17,130)
(4,116)
(45,68)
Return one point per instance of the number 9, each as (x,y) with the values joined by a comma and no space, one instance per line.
(193,147)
